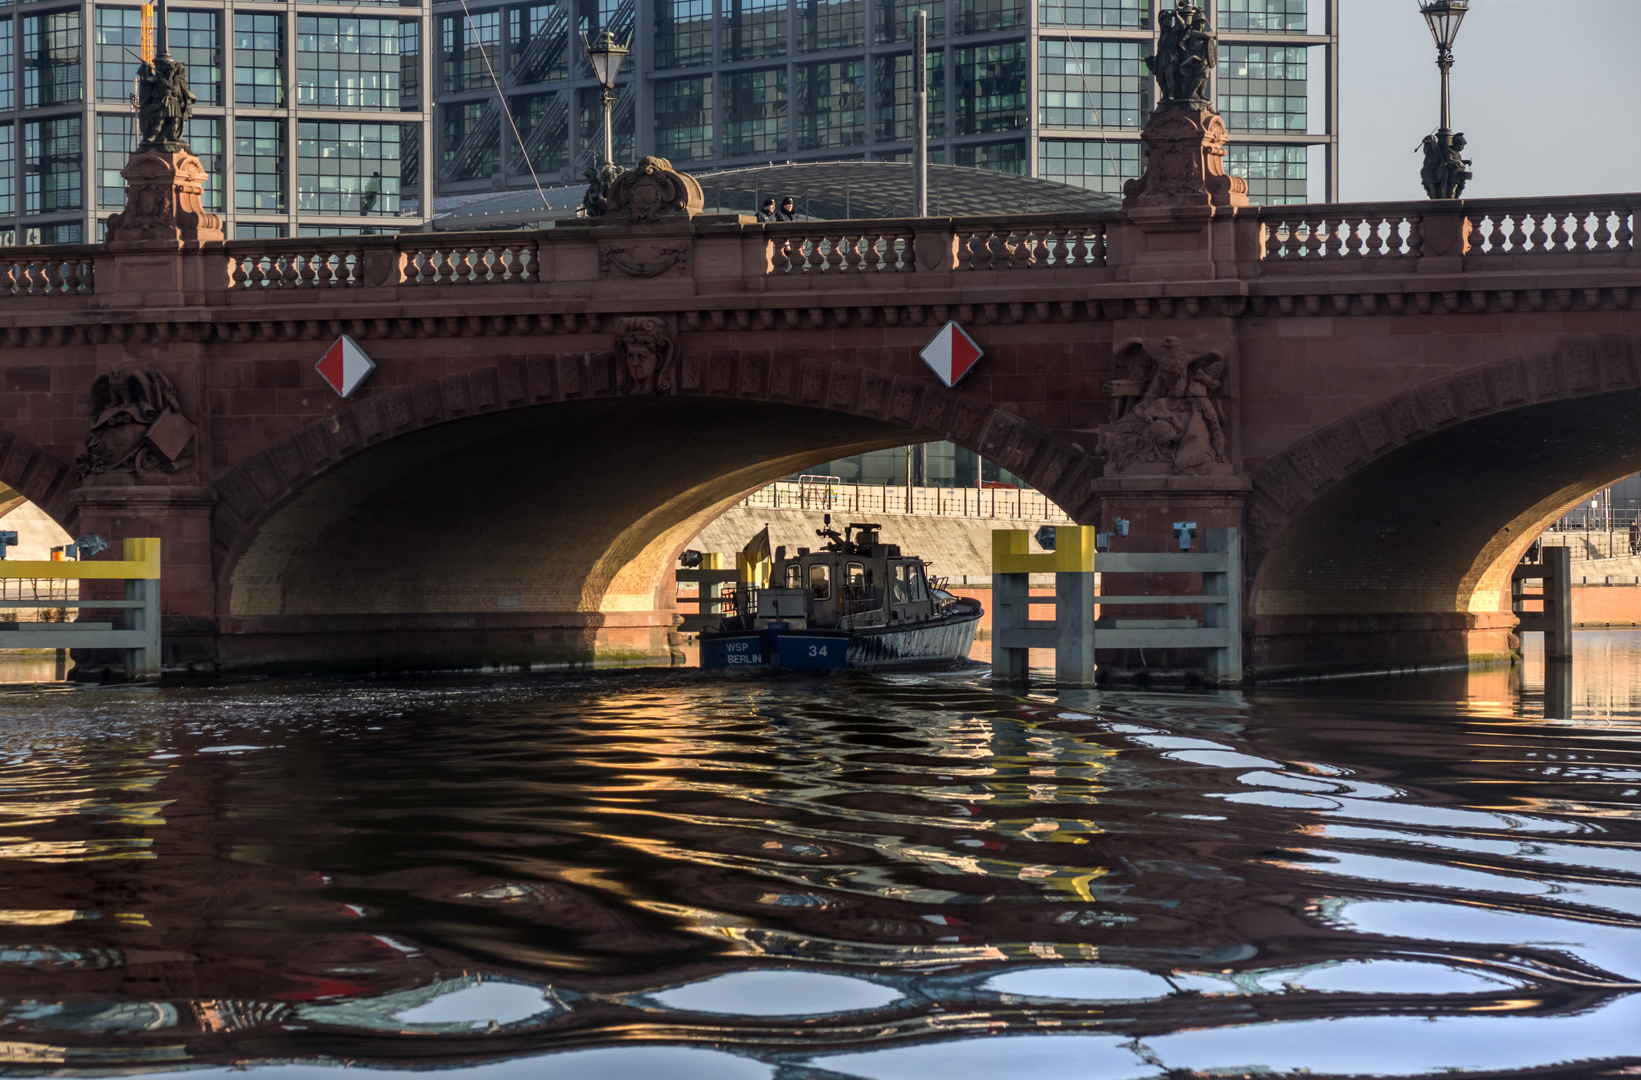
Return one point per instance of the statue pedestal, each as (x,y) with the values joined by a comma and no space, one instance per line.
(162,200)
(156,240)
(1185,163)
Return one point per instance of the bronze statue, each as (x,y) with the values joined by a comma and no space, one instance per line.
(596,202)
(1444,172)
(1187,53)
(164,104)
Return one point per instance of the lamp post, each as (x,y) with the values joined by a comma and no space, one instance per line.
(606,54)
(1442,179)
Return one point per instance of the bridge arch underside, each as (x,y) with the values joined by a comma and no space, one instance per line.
(542,534)
(1407,560)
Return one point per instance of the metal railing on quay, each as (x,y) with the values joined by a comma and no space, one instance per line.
(831,494)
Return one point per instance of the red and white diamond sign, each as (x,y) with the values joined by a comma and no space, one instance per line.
(345,366)
(951,354)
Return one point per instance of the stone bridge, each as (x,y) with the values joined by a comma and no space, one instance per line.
(1392,399)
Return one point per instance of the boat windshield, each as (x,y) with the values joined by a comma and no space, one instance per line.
(794,576)
(854,575)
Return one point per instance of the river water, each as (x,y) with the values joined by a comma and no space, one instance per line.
(666,875)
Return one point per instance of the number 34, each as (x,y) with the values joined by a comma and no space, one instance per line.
(817,650)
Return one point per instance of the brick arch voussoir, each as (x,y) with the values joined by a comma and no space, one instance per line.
(1285,484)
(250,493)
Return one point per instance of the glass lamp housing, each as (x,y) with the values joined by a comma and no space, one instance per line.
(606,55)
(1444,17)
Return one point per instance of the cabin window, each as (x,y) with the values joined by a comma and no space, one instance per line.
(820,581)
(901,584)
(794,576)
(920,588)
(854,575)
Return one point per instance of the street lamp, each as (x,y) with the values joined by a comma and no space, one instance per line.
(606,54)
(1444,17)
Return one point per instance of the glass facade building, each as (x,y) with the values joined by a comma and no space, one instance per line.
(311,116)
(1050,88)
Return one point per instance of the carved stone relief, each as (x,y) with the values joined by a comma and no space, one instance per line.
(1166,412)
(137,427)
(643,258)
(645,353)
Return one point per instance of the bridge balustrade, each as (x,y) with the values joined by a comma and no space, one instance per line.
(1268,241)
(48,271)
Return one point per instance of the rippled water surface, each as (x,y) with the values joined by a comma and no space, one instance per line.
(668,875)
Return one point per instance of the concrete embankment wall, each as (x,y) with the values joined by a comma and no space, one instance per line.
(958,549)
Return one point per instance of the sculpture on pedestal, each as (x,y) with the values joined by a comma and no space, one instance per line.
(137,427)
(1185,138)
(1166,416)
(164,181)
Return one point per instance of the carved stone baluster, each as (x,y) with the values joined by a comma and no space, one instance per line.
(293,271)
(307,265)
(1541,239)
(88,276)
(1097,245)
(237,275)
(54,277)
(1078,250)
(1352,247)
(1625,236)
(1581,234)
(1602,238)
(532,261)
(71,275)
(852,257)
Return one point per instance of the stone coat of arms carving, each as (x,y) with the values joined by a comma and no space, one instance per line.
(645,353)
(1166,412)
(653,191)
(137,427)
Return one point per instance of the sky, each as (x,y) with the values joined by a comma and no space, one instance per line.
(1546,91)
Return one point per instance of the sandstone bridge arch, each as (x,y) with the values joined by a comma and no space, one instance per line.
(532,511)
(1403,519)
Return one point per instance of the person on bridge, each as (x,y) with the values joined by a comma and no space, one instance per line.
(766,212)
(788,210)
(1635,537)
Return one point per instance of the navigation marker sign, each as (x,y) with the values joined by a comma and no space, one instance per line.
(951,354)
(345,366)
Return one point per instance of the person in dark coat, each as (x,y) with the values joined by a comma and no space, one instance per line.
(788,210)
(766,212)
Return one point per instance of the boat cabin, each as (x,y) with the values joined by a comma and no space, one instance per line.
(854,581)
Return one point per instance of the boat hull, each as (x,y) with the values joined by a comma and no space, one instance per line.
(939,640)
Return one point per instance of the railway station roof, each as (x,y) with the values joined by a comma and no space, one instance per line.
(826,190)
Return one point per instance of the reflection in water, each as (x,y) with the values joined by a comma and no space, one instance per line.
(813,878)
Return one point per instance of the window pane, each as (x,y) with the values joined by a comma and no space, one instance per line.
(259,59)
(683,119)
(683,33)
(543,122)
(52,165)
(754,29)
(540,39)
(1092,84)
(346,62)
(830,24)
(754,112)
(471,45)
(472,140)
(1096,164)
(347,168)
(194,37)
(1096,14)
(259,165)
(1266,16)
(1275,174)
(1262,87)
(991,88)
(894,20)
(831,104)
(893,115)
(51,59)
